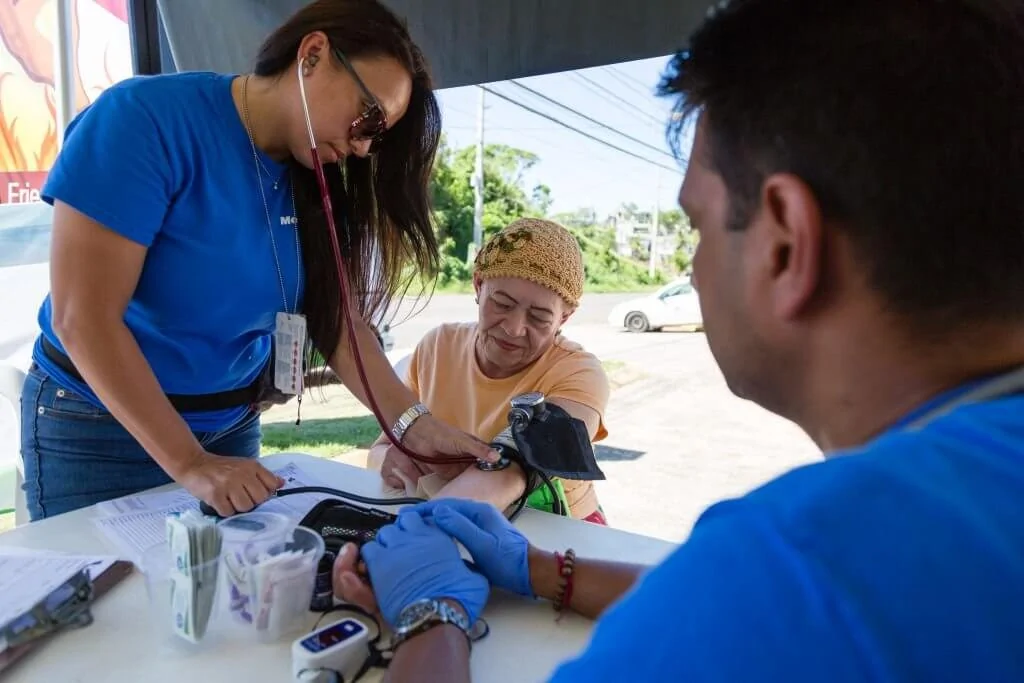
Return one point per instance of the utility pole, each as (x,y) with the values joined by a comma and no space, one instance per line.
(652,267)
(64,74)
(478,183)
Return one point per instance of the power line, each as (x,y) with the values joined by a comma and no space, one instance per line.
(504,128)
(590,156)
(590,119)
(629,81)
(632,107)
(577,130)
(449,107)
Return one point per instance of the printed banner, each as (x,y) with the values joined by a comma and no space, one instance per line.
(28,112)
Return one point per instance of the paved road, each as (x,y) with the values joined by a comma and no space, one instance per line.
(678,439)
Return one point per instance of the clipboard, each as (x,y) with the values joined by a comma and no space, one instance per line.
(113,575)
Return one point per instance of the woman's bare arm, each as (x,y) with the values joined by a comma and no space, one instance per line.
(93,274)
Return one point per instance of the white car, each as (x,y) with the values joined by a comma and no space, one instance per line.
(674,305)
(384,336)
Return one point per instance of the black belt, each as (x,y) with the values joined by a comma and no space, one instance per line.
(184,403)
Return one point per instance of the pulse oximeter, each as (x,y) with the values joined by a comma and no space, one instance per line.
(334,652)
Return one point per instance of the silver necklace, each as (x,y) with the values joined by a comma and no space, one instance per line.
(266,208)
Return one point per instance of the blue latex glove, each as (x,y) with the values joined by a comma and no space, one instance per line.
(497,547)
(411,560)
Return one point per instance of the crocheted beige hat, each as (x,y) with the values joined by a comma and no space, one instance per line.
(537,250)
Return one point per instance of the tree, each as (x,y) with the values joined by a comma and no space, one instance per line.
(671,221)
(505,198)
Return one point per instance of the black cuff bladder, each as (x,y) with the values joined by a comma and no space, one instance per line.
(557,444)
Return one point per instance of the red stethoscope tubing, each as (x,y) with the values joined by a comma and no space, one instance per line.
(347,316)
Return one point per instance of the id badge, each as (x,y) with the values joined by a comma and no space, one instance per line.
(289,343)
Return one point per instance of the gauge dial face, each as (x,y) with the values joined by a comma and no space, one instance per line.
(530,400)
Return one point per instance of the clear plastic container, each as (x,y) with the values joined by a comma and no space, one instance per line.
(270,587)
(183,604)
(242,535)
(253,530)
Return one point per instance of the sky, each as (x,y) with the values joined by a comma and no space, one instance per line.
(580,172)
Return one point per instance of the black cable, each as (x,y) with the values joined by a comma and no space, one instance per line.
(588,118)
(629,81)
(208,510)
(520,504)
(408,500)
(528,490)
(558,510)
(577,130)
(632,108)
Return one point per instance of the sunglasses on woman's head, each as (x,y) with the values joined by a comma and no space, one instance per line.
(373,122)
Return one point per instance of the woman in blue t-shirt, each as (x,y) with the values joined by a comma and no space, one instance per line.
(191,257)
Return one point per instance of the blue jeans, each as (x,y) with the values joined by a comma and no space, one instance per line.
(77,455)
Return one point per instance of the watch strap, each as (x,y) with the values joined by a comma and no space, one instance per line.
(438,612)
(406,419)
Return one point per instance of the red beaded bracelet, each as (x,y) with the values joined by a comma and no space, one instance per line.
(566,565)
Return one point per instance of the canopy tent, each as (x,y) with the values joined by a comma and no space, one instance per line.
(466,41)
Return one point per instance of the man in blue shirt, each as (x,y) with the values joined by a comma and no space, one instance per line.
(855,178)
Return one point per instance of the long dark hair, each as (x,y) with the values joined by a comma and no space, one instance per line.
(381,204)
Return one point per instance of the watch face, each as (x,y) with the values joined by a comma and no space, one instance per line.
(423,612)
(415,615)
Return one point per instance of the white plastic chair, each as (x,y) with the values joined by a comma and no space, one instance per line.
(12,379)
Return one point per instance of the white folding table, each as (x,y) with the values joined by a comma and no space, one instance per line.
(525,643)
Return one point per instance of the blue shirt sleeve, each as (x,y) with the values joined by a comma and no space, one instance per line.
(728,605)
(114,166)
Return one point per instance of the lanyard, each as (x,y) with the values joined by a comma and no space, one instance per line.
(266,211)
(1000,386)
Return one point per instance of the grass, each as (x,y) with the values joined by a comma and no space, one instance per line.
(324,437)
(7,479)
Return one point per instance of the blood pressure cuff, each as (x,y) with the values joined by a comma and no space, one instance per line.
(557,444)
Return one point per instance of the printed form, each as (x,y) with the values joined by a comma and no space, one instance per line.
(137,523)
(28,576)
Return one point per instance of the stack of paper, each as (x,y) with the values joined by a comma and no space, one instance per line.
(194,542)
(137,523)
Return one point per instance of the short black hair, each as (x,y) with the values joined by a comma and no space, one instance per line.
(904,117)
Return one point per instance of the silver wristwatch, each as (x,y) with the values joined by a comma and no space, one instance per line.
(423,615)
(406,419)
